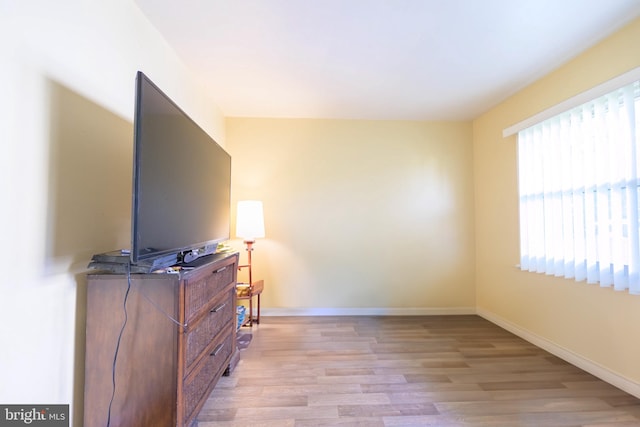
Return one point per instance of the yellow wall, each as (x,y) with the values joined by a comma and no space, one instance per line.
(359,214)
(596,324)
(66,142)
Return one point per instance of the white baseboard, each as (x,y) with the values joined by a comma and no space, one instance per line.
(366,311)
(581,362)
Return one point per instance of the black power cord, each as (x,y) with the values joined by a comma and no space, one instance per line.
(115,356)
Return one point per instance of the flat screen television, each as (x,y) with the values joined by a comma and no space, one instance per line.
(181,182)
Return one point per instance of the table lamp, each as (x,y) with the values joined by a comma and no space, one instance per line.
(249,226)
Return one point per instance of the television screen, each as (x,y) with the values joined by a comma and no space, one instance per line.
(181,180)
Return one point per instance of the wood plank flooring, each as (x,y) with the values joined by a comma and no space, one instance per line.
(406,371)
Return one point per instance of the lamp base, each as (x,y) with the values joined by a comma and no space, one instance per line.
(249,244)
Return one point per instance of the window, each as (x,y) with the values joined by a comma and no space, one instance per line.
(579,192)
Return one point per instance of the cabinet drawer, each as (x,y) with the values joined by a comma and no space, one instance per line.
(207,372)
(199,290)
(205,330)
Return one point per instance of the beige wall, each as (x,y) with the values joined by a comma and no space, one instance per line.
(595,324)
(66,111)
(360,215)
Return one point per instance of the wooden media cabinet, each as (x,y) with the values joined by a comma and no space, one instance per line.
(167,352)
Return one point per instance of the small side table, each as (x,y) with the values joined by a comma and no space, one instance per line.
(247,292)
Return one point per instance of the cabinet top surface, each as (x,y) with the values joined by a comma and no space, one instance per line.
(179,271)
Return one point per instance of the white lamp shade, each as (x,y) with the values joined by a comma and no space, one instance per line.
(249,220)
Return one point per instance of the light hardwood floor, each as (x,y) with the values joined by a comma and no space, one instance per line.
(406,371)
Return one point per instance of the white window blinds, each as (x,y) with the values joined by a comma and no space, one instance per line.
(579,191)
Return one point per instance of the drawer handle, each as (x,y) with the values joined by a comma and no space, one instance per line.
(217,350)
(220,270)
(218,308)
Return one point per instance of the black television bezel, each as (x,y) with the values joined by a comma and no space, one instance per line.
(187,252)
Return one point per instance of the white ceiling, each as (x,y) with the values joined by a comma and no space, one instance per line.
(378,59)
